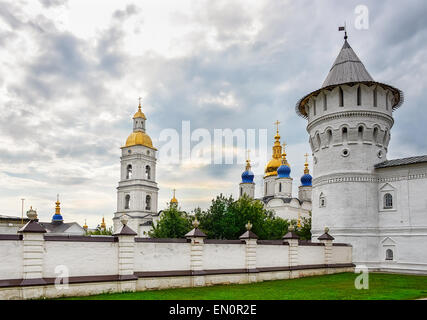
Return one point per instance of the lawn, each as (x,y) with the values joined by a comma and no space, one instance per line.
(336,287)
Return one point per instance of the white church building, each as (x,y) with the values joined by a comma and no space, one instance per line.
(377,205)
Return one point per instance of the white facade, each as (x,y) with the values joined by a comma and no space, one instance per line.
(349,123)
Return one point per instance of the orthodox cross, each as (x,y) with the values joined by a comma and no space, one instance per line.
(277,125)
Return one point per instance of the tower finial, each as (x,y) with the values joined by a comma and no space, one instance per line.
(139,99)
(173,200)
(277,126)
(344,28)
(306,170)
(284,161)
(248,161)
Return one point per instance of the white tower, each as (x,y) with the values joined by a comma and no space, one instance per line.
(349,122)
(247,186)
(137,191)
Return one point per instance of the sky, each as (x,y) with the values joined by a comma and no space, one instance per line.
(72,71)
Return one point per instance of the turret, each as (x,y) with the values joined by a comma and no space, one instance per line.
(283,186)
(247,186)
(305,189)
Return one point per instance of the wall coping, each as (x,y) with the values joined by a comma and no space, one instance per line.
(10,236)
(76,238)
(163,240)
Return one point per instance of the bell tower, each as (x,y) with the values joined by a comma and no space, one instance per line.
(349,122)
(137,192)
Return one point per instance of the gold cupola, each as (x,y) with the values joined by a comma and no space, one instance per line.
(138,137)
(174,201)
(103,225)
(275,162)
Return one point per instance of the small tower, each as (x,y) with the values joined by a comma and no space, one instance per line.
(247,186)
(137,192)
(284,181)
(304,190)
(85,227)
(273,165)
(57,217)
(174,202)
(349,122)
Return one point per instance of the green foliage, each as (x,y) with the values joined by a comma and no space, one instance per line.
(226,219)
(173,223)
(99,231)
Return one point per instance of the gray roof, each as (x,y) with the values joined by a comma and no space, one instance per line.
(58,227)
(266,199)
(402,161)
(347,68)
(3,217)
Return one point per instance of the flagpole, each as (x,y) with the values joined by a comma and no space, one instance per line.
(22,212)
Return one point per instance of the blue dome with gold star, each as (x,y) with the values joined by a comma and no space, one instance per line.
(247,177)
(306,180)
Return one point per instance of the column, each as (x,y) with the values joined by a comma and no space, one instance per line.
(196,256)
(327,240)
(250,239)
(292,238)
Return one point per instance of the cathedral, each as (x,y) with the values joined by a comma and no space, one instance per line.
(278,185)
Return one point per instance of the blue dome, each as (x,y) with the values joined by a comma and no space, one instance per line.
(247,177)
(306,180)
(57,217)
(283,171)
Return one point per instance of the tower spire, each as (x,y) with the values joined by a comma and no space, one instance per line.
(306,170)
(248,161)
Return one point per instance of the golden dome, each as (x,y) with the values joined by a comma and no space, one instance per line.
(173,200)
(139,138)
(139,113)
(271,168)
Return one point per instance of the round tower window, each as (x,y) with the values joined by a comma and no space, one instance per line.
(380,153)
(345,152)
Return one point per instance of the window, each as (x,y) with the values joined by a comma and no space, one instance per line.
(360,133)
(127,201)
(325,102)
(344,134)
(389,254)
(388,201)
(375,135)
(359,96)
(129,172)
(341,97)
(385,137)
(375,97)
(318,140)
(280,187)
(265,188)
(148,172)
(314,107)
(148,202)
(322,200)
(329,134)
(241,191)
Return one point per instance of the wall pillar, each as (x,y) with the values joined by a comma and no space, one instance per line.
(292,238)
(33,254)
(250,239)
(126,246)
(196,237)
(327,240)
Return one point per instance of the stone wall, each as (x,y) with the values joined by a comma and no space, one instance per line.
(31,263)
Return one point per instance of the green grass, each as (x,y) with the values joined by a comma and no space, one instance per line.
(329,287)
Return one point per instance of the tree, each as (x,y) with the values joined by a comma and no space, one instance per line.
(173,223)
(99,231)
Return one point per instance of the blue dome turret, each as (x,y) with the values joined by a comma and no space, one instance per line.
(247,175)
(306,179)
(284,171)
(57,217)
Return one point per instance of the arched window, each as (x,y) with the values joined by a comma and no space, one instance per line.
(344,134)
(389,254)
(375,96)
(388,201)
(360,133)
(385,137)
(148,172)
(318,140)
(241,191)
(359,96)
(341,97)
(325,102)
(375,135)
(314,106)
(280,187)
(129,172)
(148,202)
(329,133)
(127,201)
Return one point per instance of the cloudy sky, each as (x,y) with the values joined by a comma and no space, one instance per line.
(72,71)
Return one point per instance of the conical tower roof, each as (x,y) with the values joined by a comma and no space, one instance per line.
(347,68)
